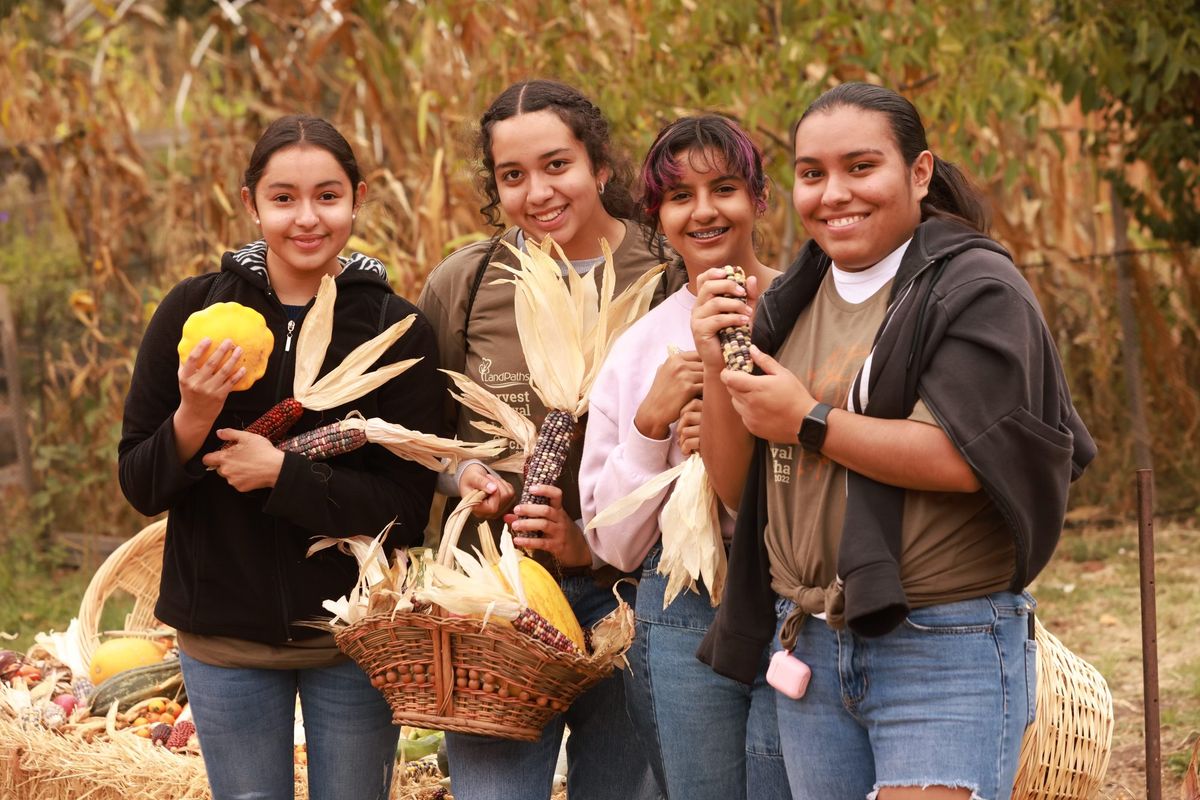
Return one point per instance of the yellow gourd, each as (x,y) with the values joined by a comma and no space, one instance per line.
(118,655)
(544,596)
(245,326)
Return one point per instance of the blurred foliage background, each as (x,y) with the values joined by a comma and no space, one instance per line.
(125,126)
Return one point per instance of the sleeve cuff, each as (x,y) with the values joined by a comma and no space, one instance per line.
(645,455)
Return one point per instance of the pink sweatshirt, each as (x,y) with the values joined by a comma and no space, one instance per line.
(617,458)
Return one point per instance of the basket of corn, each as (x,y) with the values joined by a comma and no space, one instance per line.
(480,643)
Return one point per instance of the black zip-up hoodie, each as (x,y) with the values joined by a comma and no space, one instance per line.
(234,563)
(964,332)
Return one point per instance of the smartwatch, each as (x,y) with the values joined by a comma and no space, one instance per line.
(812,429)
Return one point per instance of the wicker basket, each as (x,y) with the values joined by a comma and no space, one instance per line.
(455,674)
(1064,754)
(135,567)
(38,764)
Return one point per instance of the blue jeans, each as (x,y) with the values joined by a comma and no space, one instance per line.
(604,761)
(943,700)
(708,737)
(245,719)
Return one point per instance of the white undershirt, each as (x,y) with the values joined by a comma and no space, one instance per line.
(856,287)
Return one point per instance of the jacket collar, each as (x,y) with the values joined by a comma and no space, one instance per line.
(934,240)
(250,263)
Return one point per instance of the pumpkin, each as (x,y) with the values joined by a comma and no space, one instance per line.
(245,326)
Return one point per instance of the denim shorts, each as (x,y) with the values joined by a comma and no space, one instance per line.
(943,700)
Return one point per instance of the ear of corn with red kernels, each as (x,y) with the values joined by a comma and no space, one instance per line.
(276,422)
(533,624)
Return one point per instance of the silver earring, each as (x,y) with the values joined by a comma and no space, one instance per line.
(257,221)
(602,188)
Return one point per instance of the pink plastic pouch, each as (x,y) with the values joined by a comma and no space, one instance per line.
(788,674)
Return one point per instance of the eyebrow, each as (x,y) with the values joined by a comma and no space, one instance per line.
(542,157)
(720,179)
(279,185)
(853,154)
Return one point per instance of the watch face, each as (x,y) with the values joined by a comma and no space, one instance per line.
(812,429)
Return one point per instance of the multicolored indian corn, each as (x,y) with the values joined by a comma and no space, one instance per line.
(549,455)
(735,340)
(325,442)
(536,626)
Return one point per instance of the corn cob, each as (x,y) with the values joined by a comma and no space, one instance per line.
(534,625)
(549,456)
(735,340)
(325,442)
(276,422)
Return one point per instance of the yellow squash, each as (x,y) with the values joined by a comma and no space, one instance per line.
(245,326)
(545,597)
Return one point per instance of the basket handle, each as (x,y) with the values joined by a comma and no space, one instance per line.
(455,524)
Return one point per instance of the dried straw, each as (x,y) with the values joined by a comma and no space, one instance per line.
(37,764)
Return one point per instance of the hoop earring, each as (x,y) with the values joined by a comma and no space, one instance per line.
(601,189)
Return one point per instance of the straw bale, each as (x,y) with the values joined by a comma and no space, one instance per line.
(37,764)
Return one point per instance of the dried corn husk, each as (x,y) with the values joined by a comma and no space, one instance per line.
(380,586)
(692,545)
(433,452)
(566,326)
(506,423)
(349,380)
(691,530)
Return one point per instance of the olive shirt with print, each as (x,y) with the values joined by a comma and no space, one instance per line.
(487,347)
(954,545)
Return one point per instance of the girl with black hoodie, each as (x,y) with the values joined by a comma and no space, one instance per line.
(236,583)
(900,460)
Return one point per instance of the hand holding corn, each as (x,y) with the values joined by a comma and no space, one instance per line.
(687,432)
(722,303)
(498,492)
(546,526)
(251,462)
(678,380)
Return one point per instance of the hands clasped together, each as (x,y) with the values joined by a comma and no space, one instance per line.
(204,384)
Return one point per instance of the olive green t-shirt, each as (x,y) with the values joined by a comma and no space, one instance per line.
(488,348)
(954,545)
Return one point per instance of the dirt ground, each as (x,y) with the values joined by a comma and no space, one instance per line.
(1089,597)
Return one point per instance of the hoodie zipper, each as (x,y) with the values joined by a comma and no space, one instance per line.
(280,566)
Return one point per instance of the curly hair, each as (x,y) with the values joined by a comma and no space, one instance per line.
(581,117)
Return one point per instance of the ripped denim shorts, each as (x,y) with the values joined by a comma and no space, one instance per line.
(943,700)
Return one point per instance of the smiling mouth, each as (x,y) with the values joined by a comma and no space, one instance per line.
(711,233)
(549,216)
(841,222)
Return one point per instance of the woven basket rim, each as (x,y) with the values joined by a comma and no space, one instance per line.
(579,661)
(138,560)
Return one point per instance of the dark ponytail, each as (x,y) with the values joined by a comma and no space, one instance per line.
(951,194)
(585,122)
